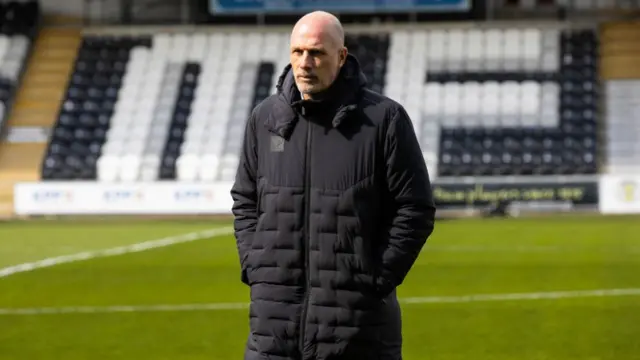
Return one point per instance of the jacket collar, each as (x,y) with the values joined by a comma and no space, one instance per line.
(344,95)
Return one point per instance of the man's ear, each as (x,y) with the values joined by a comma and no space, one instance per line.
(343,55)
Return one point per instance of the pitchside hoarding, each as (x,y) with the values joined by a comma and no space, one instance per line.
(65,198)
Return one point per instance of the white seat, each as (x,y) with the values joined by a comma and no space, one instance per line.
(474,51)
(187,167)
(138,130)
(470,114)
(433,102)
(227,174)
(455,49)
(530,103)
(436,54)
(130,168)
(151,160)
(493,46)
(134,146)
(512,50)
(107,168)
(195,132)
(490,104)
(213,146)
(197,48)
(451,104)
(549,60)
(509,103)
(126,104)
(194,146)
(209,168)
(117,133)
(532,49)
(113,147)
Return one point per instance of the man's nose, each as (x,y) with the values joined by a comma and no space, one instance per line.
(306,61)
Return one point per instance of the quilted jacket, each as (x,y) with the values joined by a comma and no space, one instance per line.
(332,206)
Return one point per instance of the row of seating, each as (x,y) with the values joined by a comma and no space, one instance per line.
(136,110)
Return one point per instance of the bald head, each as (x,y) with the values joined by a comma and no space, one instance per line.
(317,51)
(321,23)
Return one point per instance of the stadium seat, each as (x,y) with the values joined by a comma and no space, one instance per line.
(18,26)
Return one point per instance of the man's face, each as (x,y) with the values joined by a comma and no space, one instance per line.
(315,59)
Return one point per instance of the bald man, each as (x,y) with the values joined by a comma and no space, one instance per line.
(332,205)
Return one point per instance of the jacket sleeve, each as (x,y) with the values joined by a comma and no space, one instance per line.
(412,206)
(244,195)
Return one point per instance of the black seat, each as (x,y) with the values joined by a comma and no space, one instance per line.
(264,82)
(372,53)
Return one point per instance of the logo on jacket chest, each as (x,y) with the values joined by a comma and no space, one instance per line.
(277,143)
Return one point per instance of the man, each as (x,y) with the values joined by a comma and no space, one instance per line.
(332,206)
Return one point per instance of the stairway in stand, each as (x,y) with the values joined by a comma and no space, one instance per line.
(36,106)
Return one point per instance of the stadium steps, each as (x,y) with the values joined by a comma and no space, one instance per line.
(18,162)
(45,80)
(620,50)
(37,103)
(619,60)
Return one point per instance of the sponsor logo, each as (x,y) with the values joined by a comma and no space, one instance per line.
(122,195)
(277,144)
(58,196)
(629,191)
(193,195)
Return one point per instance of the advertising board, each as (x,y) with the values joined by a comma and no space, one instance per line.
(340,6)
(77,198)
(620,194)
(480,194)
(65,198)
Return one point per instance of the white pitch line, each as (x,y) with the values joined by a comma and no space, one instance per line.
(240,306)
(120,250)
(542,249)
(523,296)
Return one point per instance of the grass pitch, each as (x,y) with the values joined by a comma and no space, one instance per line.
(463,257)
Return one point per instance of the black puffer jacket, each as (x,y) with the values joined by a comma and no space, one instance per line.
(332,206)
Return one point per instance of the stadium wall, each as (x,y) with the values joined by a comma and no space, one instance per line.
(607,194)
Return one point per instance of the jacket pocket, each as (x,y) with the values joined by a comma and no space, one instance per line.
(244,270)
(364,250)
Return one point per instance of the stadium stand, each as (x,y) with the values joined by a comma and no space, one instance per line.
(494,101)
(18,29)
(620,58)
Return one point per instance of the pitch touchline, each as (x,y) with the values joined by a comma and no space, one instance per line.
(242,306)
(120,250)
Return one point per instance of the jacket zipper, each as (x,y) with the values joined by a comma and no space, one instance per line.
(306,241)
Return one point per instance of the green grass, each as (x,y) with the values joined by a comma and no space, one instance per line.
(462,258)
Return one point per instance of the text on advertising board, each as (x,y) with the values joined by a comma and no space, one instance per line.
(123,195)
(584,193)
(53,196)
(191,195)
